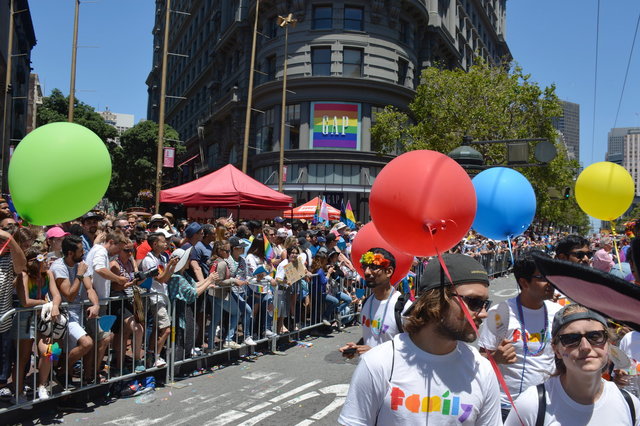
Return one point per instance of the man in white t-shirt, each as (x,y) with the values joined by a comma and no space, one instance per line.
(156,259)
(378,316)
(429,375)
(517,332)
(98,269)
(75,285)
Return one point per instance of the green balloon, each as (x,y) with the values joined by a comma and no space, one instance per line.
(58,172)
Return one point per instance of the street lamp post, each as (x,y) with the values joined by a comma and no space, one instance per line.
(247,119)
(163,89)
(284,22)
(7,92)
(74,53)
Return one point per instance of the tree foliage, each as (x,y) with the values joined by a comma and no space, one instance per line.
(133,160)
(55,108)
(485,103)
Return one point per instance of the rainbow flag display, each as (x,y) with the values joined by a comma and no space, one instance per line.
(349,218)
(336,125)
(268,250)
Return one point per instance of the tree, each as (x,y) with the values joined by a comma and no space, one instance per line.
(55,108)
(134,162)
(486,103)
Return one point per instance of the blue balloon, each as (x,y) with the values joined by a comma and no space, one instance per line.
(506,203)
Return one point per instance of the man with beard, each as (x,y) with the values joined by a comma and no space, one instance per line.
(429,375)
(90,226)
(517,332)
(379,313)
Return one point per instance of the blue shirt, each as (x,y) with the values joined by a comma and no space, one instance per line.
(201,254)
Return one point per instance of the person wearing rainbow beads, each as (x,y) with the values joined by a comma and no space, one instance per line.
(378,316)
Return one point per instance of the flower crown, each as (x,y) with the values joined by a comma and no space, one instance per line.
(378,259)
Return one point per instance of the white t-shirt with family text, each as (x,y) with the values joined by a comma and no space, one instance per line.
(378,319)
(457,388)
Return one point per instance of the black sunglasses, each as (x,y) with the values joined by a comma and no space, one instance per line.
(128,250)
(595,338)
(476,304)
(581,254)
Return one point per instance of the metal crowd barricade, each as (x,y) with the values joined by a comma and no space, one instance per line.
(62,376)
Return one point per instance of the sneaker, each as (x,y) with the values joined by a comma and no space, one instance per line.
(149,385)
(140,366)
(196,352)
(326,322)
(249,341)
(159,362)
(230,344)
(269,334)
(5,393)
(43,393)
(130,390)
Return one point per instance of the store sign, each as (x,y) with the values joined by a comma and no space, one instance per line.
(335,125)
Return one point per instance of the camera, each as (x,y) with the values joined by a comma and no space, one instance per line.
(143,275)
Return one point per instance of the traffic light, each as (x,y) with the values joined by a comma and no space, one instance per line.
(566,193)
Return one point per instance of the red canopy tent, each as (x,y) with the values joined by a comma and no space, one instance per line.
(226,187)
(308,210)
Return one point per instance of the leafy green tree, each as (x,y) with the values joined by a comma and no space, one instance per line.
(485,103)
(55,107)
(134,162)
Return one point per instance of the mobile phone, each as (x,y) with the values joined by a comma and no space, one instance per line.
(349,351)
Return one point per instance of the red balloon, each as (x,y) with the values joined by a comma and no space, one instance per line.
(367,238)
(422,203)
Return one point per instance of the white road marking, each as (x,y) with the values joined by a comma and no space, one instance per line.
(133,421)
(295,391)
(226,418)
(260,375)
(257,407)
(257,418)
(506,292)
(279,384)
(335,404)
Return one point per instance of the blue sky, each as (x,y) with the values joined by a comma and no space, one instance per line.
(553,40)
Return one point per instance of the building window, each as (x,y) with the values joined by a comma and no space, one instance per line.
(405,32)
(403,69)
(322,18)
(321,60)
(293,126)
(353,18)
(271,68)
(352,62)
(265,123)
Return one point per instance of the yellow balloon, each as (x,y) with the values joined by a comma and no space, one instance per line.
(605,190)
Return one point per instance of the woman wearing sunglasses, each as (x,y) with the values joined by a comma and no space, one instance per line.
(577,394)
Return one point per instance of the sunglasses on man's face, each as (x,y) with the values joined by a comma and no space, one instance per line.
(581,254)
(595,338)
(128,250)
(476,304)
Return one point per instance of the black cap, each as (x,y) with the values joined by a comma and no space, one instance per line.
(237,242)
(463,269)
(92,215)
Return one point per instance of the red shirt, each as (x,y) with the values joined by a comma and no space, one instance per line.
(142,250)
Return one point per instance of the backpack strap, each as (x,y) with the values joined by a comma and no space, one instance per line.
(397,310)
(632,407)
(542,404)
(393,359)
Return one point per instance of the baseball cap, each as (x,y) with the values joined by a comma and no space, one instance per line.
(322,239)
(192,229)
(92,215)
(340,225)
(56,232)
(560,320)
(278,219)
(237,242)
(156,218)
(463,269)
(164,232)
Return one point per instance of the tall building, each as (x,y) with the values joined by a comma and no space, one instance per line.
(14,103)
(34,101)
(569,125)
(346,61)
(631,160)
(122,122)
(615,143)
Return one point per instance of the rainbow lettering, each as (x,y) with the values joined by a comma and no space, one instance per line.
(377,326)
(448,405)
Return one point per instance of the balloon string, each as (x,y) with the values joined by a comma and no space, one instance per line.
(471,322)
(5,246)
(615,245)
(510,250)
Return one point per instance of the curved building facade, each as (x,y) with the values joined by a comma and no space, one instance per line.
(347,60)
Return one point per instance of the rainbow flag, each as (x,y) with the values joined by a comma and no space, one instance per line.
(268,250)
(316,215)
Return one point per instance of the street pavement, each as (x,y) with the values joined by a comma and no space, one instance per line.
(306,385)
